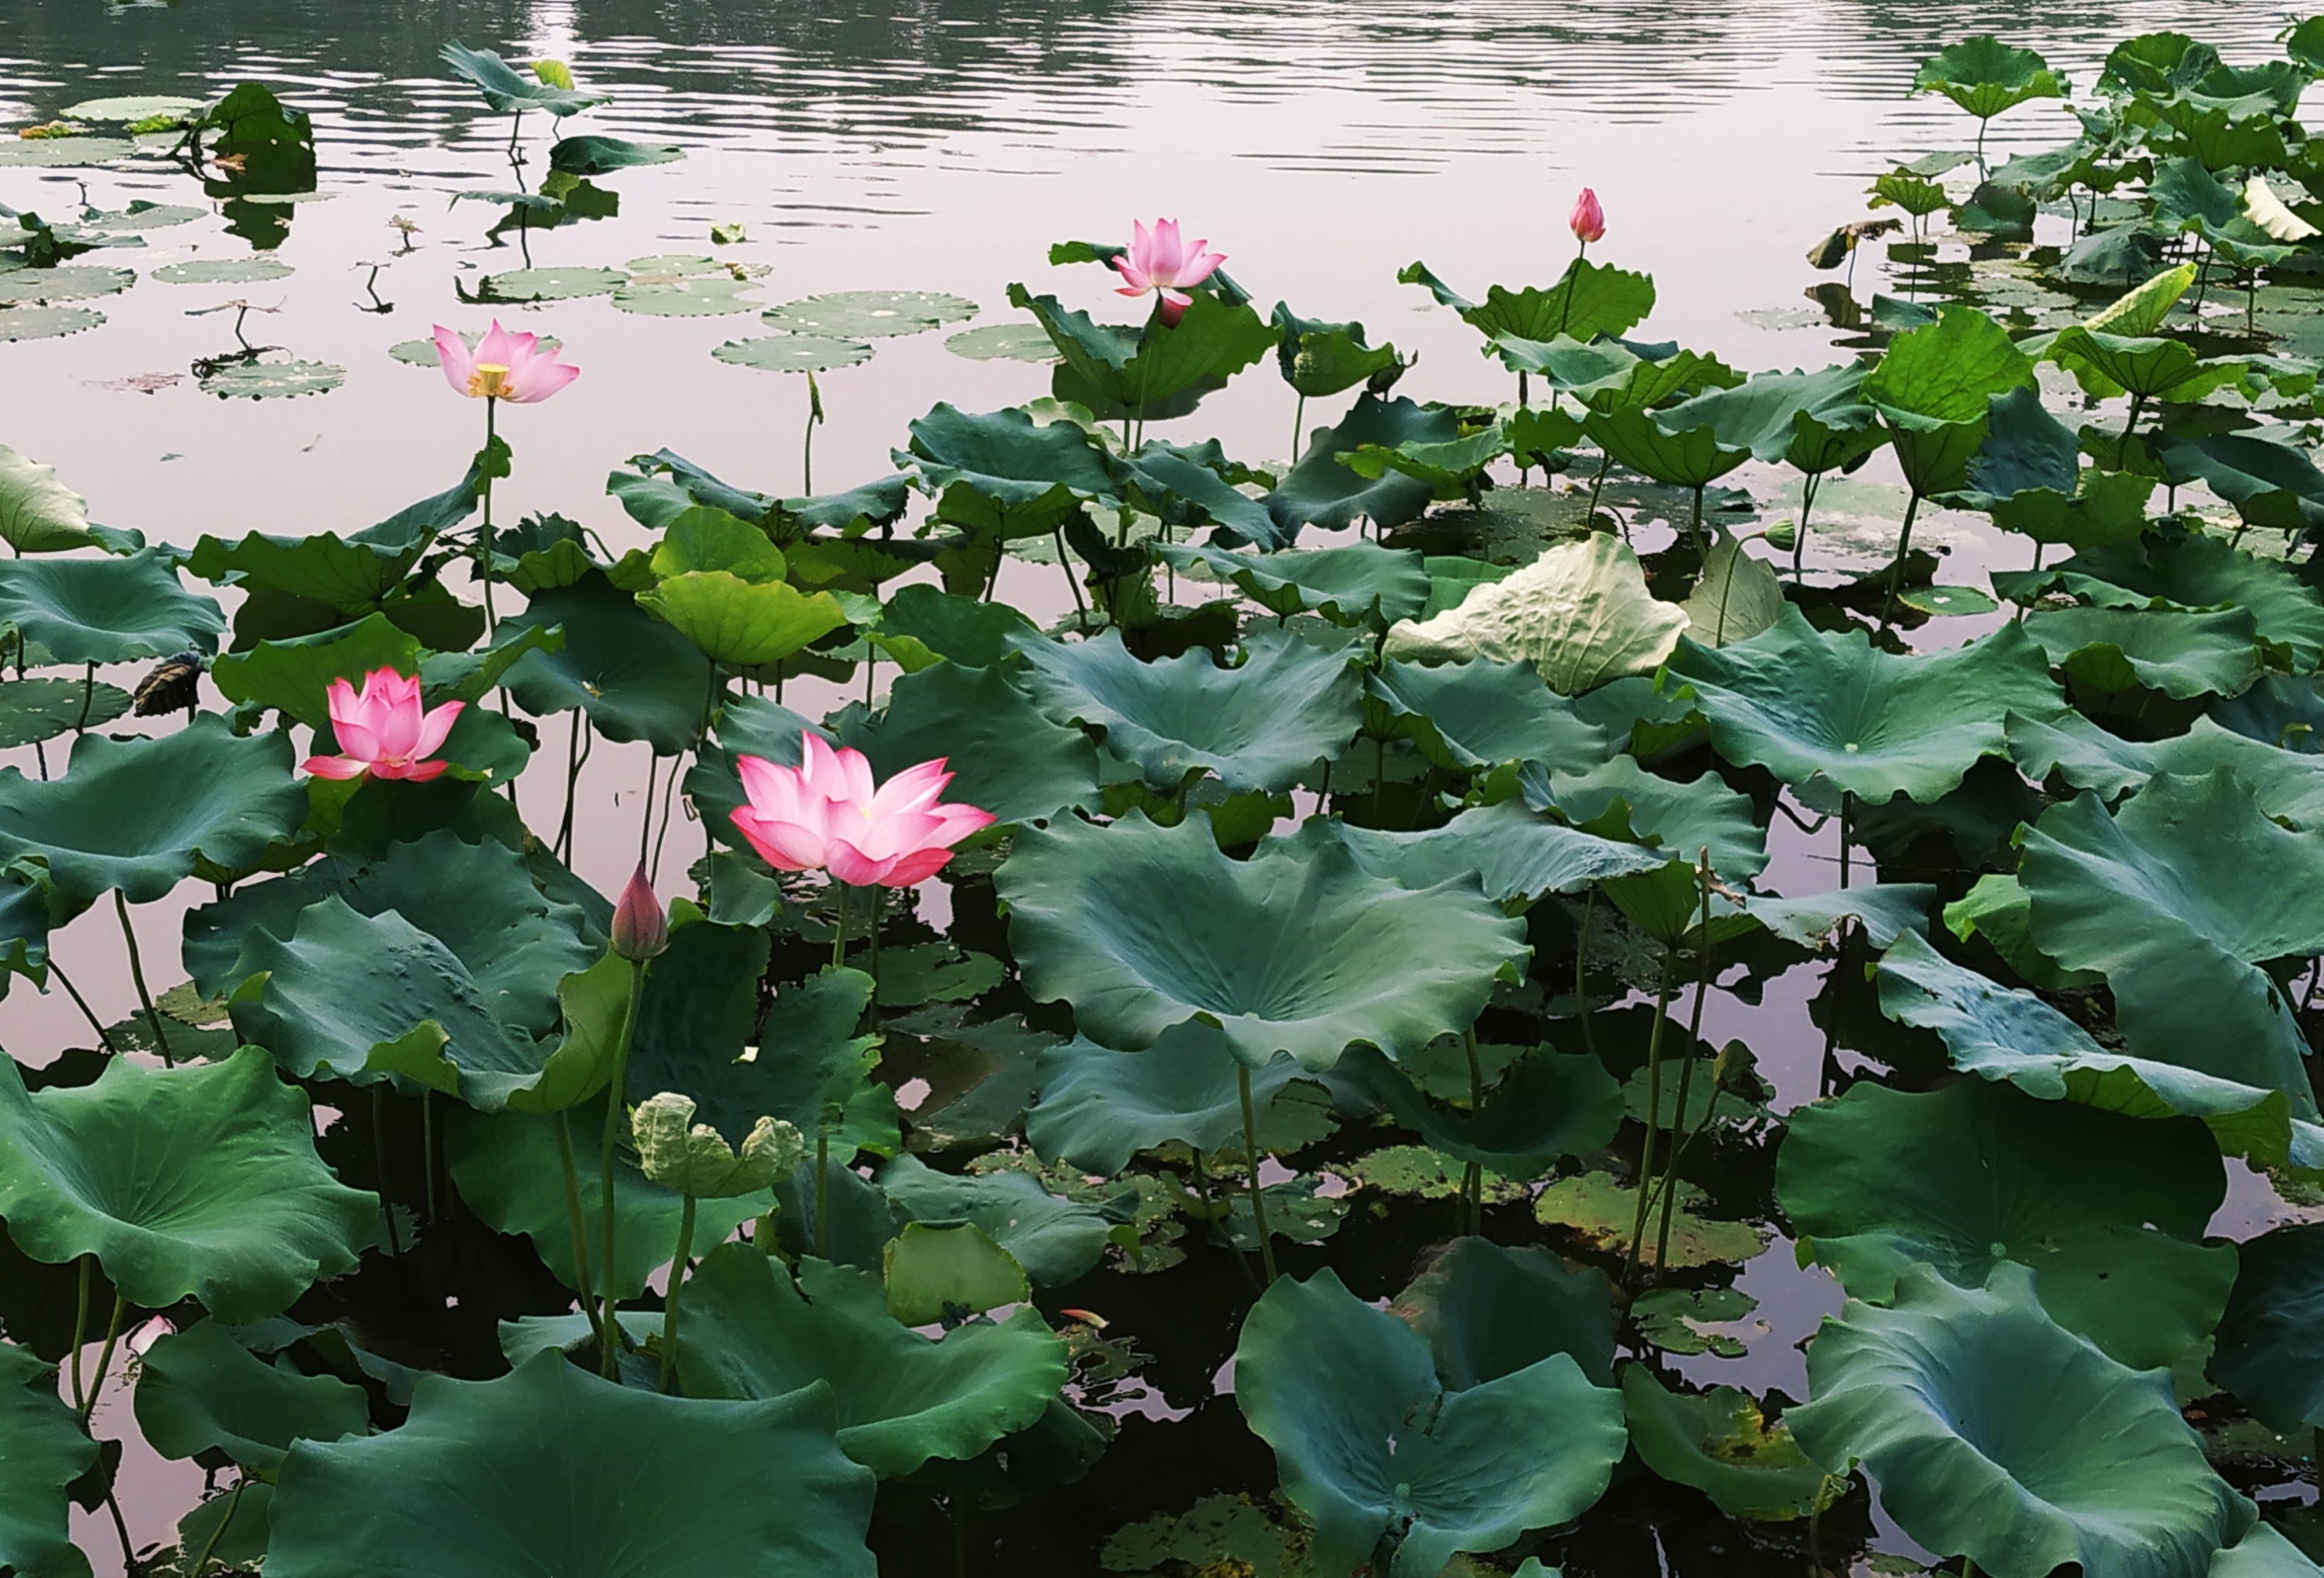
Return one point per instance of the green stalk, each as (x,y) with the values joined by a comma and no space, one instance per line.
(1251,1154)
(209,1545)
(1904,545)
(80,1337)
(1582,971)
(2122,450)
(137,978)
(1299,427)
(814,415)
(821,1195)
(1472,1180)
(1686,1073)
(86,1012)
(1847,805)
(1800,536)
(427,1147)
(104,1359)
(485,534)
(379,1166)
(1654,1110)
(839,932)
(616,1111)
(669,1304)
(579,1222)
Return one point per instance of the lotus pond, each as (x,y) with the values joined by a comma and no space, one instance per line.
(1646,965)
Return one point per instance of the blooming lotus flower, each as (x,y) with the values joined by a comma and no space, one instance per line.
(1588,220)
(826,815)
(641,925)
(385,730)
(503,366)
(1158,261)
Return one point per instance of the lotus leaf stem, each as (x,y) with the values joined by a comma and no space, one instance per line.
(1800,533)
(1653,1110)
(807,455)
(1582,971)
(1299,425)
(645,824)
(839,927)
(575,1219)
(1847,833)
(616,1112)
(427,1147)
(576,753)
(209,1545)
(670,1310)
(1072,583)
(1903,550)
(379,1166)
(822,1194)
(137,978)
(669,800)
(81,1002)
(80,1336)
(1472,1180)
(1687,1071)
(2122,450)
(485,533)
(1251,1154)
(104,1358)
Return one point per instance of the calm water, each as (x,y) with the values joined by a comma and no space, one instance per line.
(943,145)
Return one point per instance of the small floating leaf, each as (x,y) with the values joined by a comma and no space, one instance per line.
(42,323)
(224,271)
(1005,342)
(73,282)
(57,152)
(273,380)
(548,285)
(143,106)
(870,314)
(793,353)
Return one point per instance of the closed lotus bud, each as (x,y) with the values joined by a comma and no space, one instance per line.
(1588,219)
(641,926)
(1784,535)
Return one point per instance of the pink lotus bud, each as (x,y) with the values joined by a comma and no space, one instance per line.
(640,926)
(1588,219)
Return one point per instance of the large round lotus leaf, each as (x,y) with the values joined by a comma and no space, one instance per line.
(110,610)
(1320,491)
(42,1450)
(200,1390)
(508,1170)
(1601,1211)
(224,271)
(635,676)
(751,1331)
(32,710)
(715,296)
(273,380)
(2270,1348)
(2263,1554)
(1159,370)
(1997,1033)
(2178,898)
(1621,799)
(1005,342)
(1054,1238)
(746,624)
(1004,474)
(865,315)
(2195,571)
(38,514)
(2270,483)
(1099,1108)
(1952,1401)
(1488,1310)
(1006,757)
(73,282)
(1720,1443)
(1831,709)
(1141,928)
(2109,1212)
(1467,715)
(2287,783)
(1358,582)
(1581,614)
(2181,655)
(42,323)
(135,814)
(1985,77)
(1547,1104)
(200,1181)
(793,353)
(1369,1442)
(552,1470)
(292,675)
(551,284)
(1262,725)
(920,624)
(1516,852)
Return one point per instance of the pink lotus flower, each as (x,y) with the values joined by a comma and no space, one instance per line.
(641,925)
(1588,220)
(1158,261)
(504,366)
(384,731)
(826,815)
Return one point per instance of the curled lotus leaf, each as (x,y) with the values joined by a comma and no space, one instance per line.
(201,1390)
(1581,614)
(2270,1348)
(44,1450)
(1099,1108)
(109,610)
(38,514)
(695,1159)
(1723,1444)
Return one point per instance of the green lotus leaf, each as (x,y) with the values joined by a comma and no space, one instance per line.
(1648,442)
(1451,470)
(139,814)
(1006,756)
(1516,852)
(549,284)
(1371,1444)
(633,676)
(1002,473)
(2109,365)
(751,1331)
(1581,614)
(353,573)
(34,710)
(1883,911)
(1985,77)
(107,610)
(38,514)
(1588,300)
(1932,388)
(1099,1108)
(2263,1554)
(1100,919)
(1358,584)
(73,282)
(1055,1239)
(139,108)
(2268,1350)
(1320,359)
(743,622)
(2110,510)
(1621,799)
(42,323)
(198,1181)
(510,91)
(1720,1443)
(706,538)
(1005,342)
(1833,710)
(1154,369)
(1814,421)
(1599,1211)
(2181,655)
(2270,483)
(1487,1311)
(508,1170)
(259,380)
(1546,1105)
(224,271)
(695,1159)
(200,1390)
(869,314)
(921,625)
(1467,715)
(582,1477)
(25,920)
(778,353)
(934,1273)
(1951,1400)
(1319,491)
(595,155)
(2109,1213)
(1901,189)
(42,1450)
(293,676)
(1737,597)
(2166,570)
(698,1033)
(2178,898)
(1262,725)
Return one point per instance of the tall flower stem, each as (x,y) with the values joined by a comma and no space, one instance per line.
(137,978)
(1904,549)
(806,455)
(1686,1069)
(1251,1153)
(1582,971)
(839,928)
(104,1359)
(1653,1110)
(485,534)
(1573,280)
(670,1302)
(577,1220)
(616,1112)
(81,1003)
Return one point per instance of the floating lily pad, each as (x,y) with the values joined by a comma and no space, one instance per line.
(693,296)
(141,107)
(145,216)
(1947,600)
(224,271)
(549,284)
(862,315)
(60,153)
(1721,1445)
(1005,342)
(273,380)
(793,353)
(44,323)
(72,282)
(1601,1211)
(32,710)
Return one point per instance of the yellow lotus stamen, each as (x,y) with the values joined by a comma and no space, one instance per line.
(488,381)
